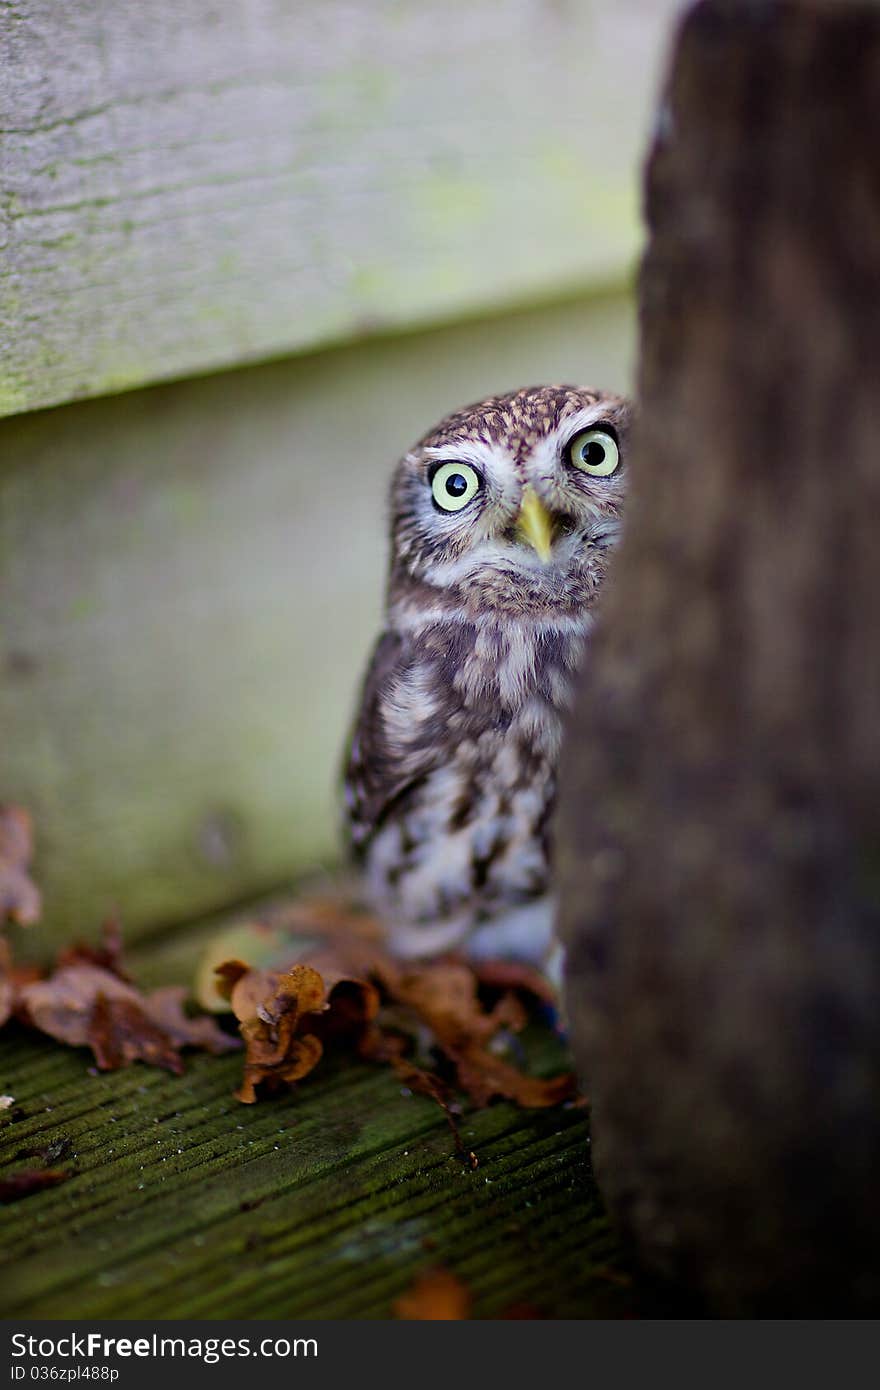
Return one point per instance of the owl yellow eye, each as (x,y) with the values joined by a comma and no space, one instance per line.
(453,486)
(595,452)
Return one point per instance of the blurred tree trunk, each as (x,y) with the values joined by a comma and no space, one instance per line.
(720,821)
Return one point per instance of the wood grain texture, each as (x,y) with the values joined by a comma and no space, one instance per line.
(720,812)
(324,1204)
(191,185)
(190,579)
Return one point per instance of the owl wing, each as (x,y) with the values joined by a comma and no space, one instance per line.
(381,771)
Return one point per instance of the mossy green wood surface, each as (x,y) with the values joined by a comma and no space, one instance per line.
(199,184)
(190,579)
(324,1203)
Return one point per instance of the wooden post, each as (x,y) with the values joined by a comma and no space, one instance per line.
(720,822)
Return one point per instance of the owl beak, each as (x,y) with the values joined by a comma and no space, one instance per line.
(535,524)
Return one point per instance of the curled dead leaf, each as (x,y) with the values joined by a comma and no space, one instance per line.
(272,1009)
(356,993)
(286,1017)
(19,896)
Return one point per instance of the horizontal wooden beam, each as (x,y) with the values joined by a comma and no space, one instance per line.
(190,184)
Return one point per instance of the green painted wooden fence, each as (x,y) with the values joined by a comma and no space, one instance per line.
(199,184)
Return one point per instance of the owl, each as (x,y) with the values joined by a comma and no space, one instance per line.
(502,521)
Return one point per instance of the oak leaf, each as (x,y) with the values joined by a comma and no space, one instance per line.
(86,1005)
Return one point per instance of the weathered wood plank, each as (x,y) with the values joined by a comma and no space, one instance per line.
(190,185)
(190,579)
(720,820)
(185,1203)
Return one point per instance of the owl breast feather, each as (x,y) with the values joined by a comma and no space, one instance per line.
(452,772)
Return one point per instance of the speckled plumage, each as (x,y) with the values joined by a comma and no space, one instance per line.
(451,777)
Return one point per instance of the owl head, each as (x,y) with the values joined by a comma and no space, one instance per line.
(513,503)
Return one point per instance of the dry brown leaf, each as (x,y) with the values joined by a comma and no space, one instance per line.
(445,997)
(227,976)
(151,1029)
(273,995)
(516,975)
(120,1031)
(435,1295)
(87,1005)
(285,931)
(19,896)
(427,1083)
(272,1009)
(484,1076)
(165,1007)
(62,1004)
(108,954)
(15,1186)
(89,999)
(287,1016)
(342,987)
(360,995)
